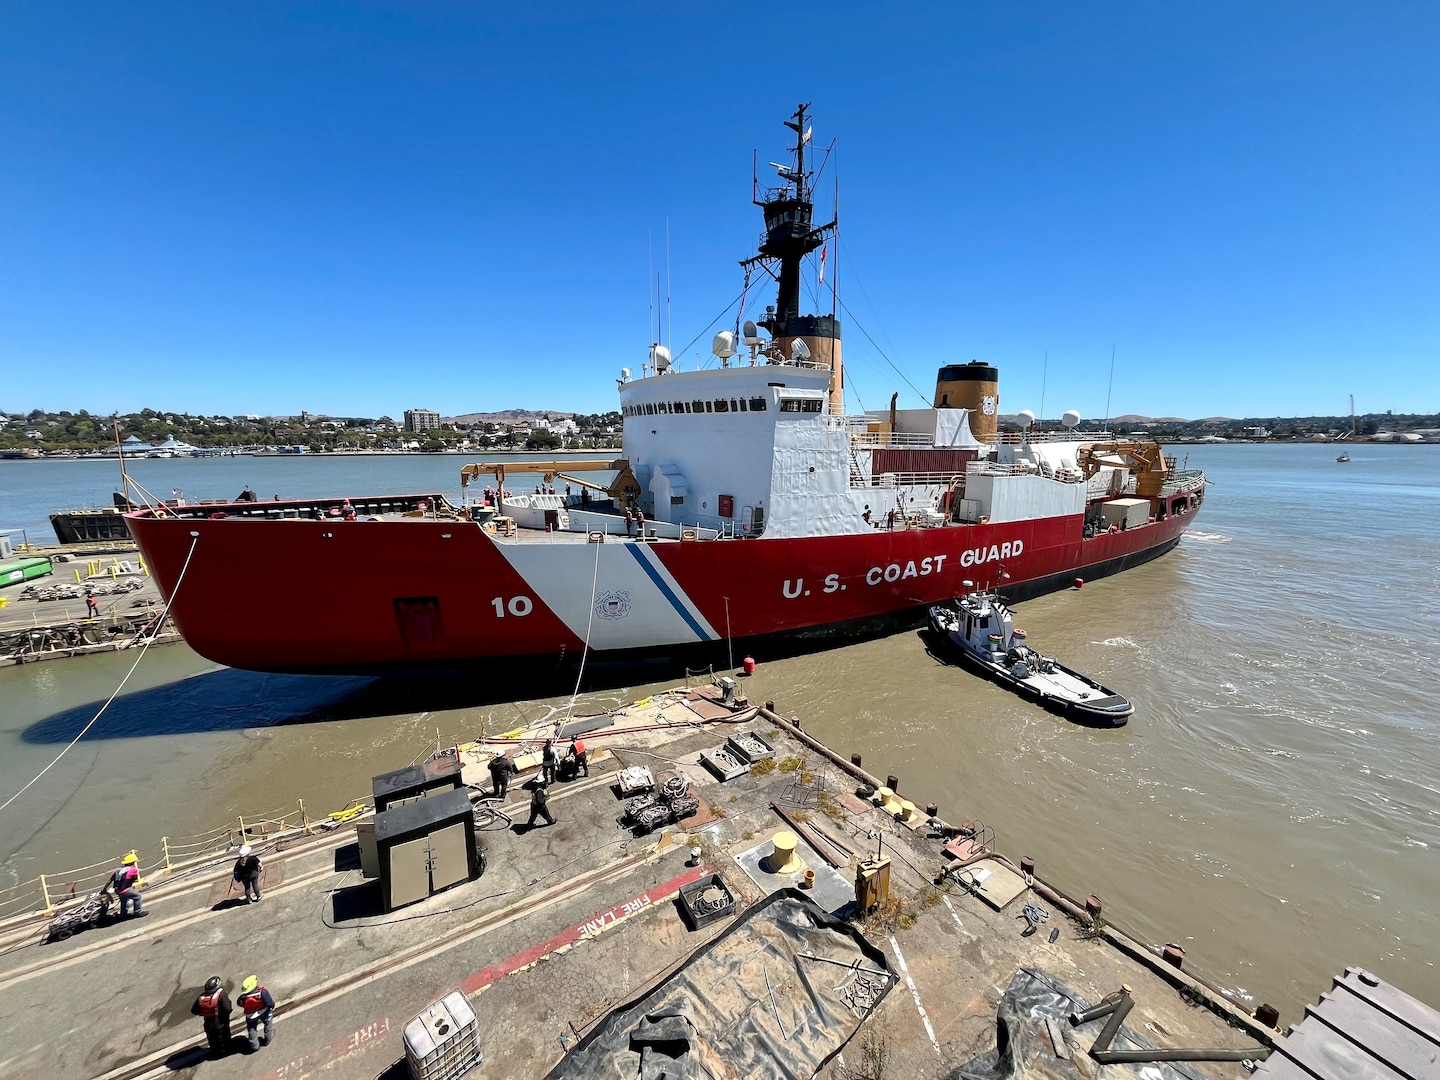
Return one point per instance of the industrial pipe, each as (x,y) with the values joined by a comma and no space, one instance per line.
(820,748)
(1139,1057)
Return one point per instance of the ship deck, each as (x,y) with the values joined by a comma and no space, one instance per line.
(567,922)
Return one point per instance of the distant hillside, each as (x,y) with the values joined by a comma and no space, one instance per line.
(509,416)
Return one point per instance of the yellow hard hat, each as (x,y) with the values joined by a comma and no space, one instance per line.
(249,984)
(130,860)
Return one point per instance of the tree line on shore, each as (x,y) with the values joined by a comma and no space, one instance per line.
(83,431)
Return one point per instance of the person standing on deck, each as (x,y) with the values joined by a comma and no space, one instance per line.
(501,769)
(214,1009)
(580,754)
(629,523)
(539,806)
(126,883)
(548,761)
(247,872)
(259,1009)
(92,609)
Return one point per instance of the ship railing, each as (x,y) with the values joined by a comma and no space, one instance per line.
(905,479)
(1183,480)
(1016,438)
(169,859)
(870,439)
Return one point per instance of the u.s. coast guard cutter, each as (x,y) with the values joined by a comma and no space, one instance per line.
(770,517)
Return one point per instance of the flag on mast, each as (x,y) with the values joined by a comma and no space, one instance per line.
(823,249)
(808,132)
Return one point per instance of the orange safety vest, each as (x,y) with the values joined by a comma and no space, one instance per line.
(579,747)
(253,1002)
(210,1004)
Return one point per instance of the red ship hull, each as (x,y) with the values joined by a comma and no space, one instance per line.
(385,596)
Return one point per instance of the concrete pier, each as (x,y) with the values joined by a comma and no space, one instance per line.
(567,922)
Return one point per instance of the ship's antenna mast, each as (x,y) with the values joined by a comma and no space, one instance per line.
(650,331)
(669,319)
(1044,375)
(1110,387)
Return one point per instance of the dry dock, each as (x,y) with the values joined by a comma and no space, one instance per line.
(48,619)
(571,920)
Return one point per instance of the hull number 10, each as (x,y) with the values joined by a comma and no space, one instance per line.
(517,605)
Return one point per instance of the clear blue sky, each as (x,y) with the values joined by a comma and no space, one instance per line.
(357,208)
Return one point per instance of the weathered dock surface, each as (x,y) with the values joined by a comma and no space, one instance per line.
(567,922)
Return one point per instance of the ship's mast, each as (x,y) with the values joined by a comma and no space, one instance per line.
(790,235)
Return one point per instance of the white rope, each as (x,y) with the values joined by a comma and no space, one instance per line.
(148,641)
(589,622)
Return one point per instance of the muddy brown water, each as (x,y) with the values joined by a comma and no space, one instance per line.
(1273,806)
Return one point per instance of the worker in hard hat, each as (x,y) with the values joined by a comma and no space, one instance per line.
(247,872)
(214,1009)
(259,1009)
(539,805)
(125,882)
(580,755)
(501,770)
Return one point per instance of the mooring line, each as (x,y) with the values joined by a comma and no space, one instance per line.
(194,539)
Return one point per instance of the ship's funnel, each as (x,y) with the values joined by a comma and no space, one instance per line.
(974,386)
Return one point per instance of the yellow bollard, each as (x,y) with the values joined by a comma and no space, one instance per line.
(77,577)
(114,573)
(241,818)
(115,561)
(165,845)
(145,569)
(45,892)
(304,818)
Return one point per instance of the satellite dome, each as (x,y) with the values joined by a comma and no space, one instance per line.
(1026,418)
(750,333)
(660,357)
(723,344)
(1071,418)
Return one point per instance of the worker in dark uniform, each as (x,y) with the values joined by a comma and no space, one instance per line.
(247,872)
(214,1009)
(501,769)
(580,754)
(259,1009)
(539,806)
(548,761)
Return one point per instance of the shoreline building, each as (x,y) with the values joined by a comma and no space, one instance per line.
(418,420)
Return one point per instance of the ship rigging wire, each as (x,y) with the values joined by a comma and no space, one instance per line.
(589,624)
(194,539)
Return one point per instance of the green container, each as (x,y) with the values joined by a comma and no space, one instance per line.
(17,570)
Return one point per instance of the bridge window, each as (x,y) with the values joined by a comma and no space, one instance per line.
(722,405)
(757,404)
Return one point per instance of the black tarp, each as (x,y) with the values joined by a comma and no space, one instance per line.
(1025,1051)
(776,995)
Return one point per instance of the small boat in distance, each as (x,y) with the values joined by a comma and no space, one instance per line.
(984,633)
(1343,456)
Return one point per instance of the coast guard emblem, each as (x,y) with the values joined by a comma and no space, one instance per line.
(613,605)
(988,404)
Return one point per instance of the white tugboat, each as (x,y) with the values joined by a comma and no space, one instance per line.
(984,633)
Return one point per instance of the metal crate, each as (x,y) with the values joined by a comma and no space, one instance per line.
(702,904)
(443,1042)
(724,764)
(750,747)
